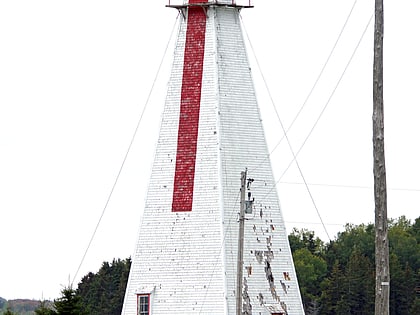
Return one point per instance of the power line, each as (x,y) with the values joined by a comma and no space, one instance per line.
(315,83)
(329,98)
(125,156)
(321,113)
(315,124)
(318,78)
(314,223)
(348,186)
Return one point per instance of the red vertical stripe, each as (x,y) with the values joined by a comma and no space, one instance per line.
(190,109)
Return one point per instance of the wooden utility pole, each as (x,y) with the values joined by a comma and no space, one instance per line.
(240,262)
(381,217)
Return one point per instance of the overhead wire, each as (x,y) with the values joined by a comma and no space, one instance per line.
(285,131)
(350,186)
(329,98)
(318,77)
(117,177)
(320,115)
(316,80)
(315,124)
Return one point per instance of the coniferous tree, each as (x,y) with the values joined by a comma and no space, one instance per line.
(415,307)
(348,287)
(103,292)
(360,276)
(45,308)
(68,303)
(332,290)
(311,271)
(9,312)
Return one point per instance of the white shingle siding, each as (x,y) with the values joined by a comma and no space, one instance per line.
(187,260)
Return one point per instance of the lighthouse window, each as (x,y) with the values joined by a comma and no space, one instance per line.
(143,302)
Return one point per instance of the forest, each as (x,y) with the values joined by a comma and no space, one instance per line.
(337,277)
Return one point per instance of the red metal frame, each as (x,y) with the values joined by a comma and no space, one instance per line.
(233,2)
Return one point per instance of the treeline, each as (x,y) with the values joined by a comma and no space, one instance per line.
(100,293)
(19,306)
(339,277)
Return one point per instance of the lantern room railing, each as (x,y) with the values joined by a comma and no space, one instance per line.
(231,3)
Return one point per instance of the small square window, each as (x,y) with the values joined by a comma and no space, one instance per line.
(143,304)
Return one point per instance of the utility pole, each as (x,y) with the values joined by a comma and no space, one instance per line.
(381,217)
(240,262)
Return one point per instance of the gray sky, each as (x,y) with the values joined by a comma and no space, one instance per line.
(76,75)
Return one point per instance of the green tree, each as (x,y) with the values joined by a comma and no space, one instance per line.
(333,291)
(9,312)
(403,242)
(360,276)
(404,262)
(45,308)
(311,271)
(68,303)
(103,292)
(414,230)
(304,238)
(349,282)
(415,307)
(355,236)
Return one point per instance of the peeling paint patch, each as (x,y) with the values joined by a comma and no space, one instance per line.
(270,279)
(284,306)
(269,243)
(284,287)
(259,256)
(260,298)
(249,270)
(268,254)
(246,301)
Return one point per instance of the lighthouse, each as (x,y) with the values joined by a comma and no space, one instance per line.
(212,210)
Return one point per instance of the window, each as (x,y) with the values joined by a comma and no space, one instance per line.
(143,304)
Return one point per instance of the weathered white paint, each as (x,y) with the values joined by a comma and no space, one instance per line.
(187,260)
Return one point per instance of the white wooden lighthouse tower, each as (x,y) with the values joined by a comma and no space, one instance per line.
(186,257)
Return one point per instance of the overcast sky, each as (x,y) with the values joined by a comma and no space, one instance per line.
(75,77)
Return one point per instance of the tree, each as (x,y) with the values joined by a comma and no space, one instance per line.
(333,291)
(68,303)
(103,292)
(355,236)
(403,242)
(360,277)
(45,308)
(415,308)
(414,230)
(311,271)
(9,312)
(304,238)
(348,286)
